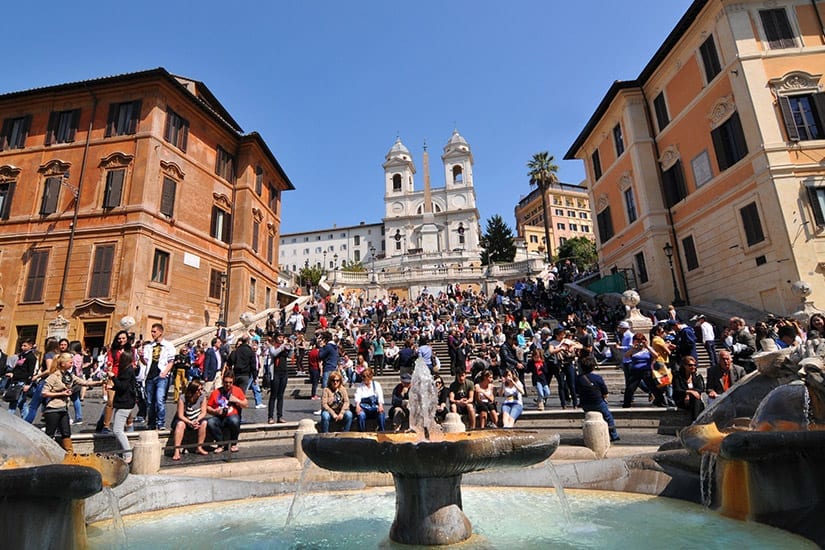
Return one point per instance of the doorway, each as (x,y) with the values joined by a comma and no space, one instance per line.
(94,337)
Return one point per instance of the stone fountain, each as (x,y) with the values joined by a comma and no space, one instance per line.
(763,443)
(42,488)
(427,464)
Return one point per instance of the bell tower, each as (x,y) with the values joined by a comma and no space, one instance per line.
(398,171)
(458,163)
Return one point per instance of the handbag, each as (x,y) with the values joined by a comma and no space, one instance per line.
(370,404)
(662,374)
(12,393)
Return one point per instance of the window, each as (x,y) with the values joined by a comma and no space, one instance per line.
(559,212)
(817,197)
(253,284)
(167,197)
(62,126)
(114,188)
(571,213)
(804,116)
(123,118)
(51,192)
(689,249)
(562,240)
(585,229)
(160,267)
(259,180)
(270,249)
(778,30)
(534,239)
(398,245)
(357,255)
(215,284)
(630,205)
(177,130)
(396,182)
(752,224)
(6,194)
(729,142)
(618,140)
(673,181)
(597,165)
(641,267)
(36,278)
(356,240)
(458,176)
(221,220)
(102,271)
(560,226)
(660,108)
(273,197)
(224,164)
(14,132)
(583,215)
(268,298)
(256,229)
(605,224)
(710,59)
(574,227)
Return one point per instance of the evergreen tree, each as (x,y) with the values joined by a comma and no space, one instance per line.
(497,242)
(580,250)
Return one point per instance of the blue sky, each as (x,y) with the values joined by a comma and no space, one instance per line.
(330,84)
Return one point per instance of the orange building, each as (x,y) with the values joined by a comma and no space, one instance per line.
(568,214)
(133,196)
(717,149)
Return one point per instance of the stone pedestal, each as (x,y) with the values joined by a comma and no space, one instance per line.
(428,511)
(305,426)
(146,453)
(596,434)
(452,423)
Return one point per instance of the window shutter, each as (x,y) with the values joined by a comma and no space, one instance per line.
(213,226)
(738,138)
(102,272)
(53,117)
(5,206)
(111,120)
(51,191)
(819,106)
(787,117)
(114,188)
(227,222)
(134,118)
(719,148)
(184,137)
(816,196)
(74,126)
(37,276)
(167,197)
(167,134)
(27,123)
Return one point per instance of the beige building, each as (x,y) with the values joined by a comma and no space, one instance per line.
(717,149)
(568,214)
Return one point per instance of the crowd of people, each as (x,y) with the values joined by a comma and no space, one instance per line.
(501,347)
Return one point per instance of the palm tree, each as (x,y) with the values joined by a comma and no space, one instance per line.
(543,174)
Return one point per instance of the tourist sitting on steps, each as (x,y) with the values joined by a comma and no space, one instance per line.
(190,417)
(400,410)
(512,406)
(443,392)
(689,387)
(335,404)
(462,394)
(485,399)
(225,406)
(369,401)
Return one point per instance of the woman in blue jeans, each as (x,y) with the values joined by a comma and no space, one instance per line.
(369,401)
(512,406)
(593,394)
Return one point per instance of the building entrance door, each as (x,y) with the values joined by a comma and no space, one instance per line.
(94,336)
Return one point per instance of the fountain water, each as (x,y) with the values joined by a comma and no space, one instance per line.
(427,465)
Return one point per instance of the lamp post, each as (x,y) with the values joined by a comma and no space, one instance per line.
(677,298)
(372,260)
(335,259)
(325,262)
(222,308)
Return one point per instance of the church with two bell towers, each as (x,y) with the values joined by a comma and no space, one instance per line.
(441,220)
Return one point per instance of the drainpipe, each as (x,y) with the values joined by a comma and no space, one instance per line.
(60,304)
(649,120)
(232,212)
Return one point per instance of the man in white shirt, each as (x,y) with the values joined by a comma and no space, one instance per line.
(158,356)
(708,338)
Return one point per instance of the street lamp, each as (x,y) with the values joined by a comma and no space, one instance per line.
(677,298)
(325,262)
(335,259)
(222,308)
(372,259)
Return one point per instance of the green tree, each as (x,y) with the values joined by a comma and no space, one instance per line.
(497,242)
(580,250)
(542,174)
(311,274)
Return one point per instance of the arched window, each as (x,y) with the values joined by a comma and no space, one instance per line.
(396,182)
(458,175)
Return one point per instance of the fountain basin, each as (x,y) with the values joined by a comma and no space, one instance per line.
(427,474)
